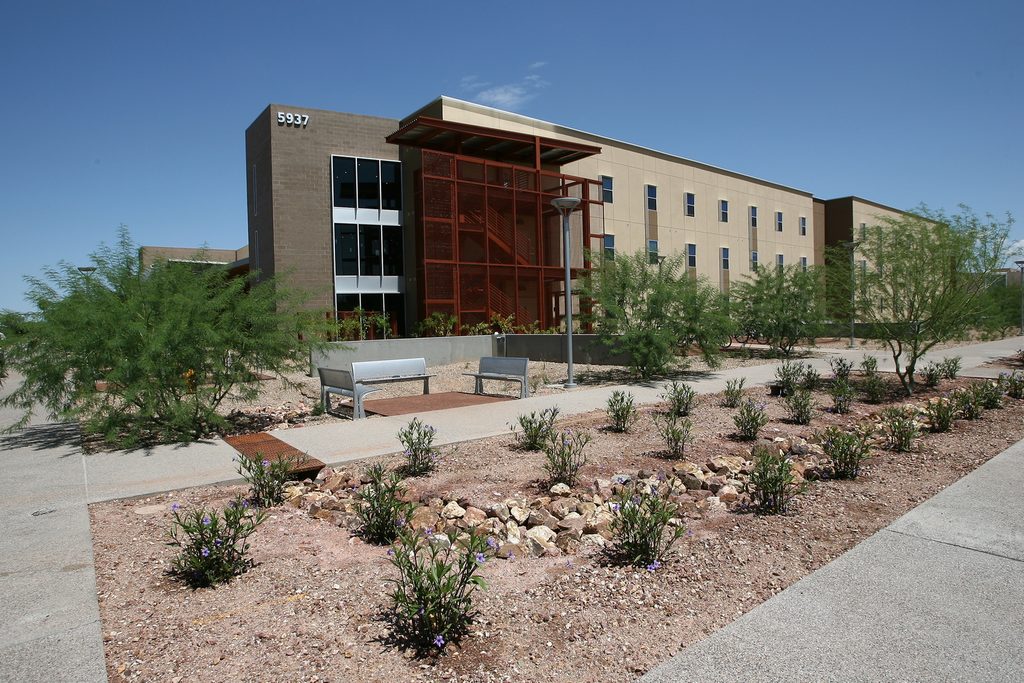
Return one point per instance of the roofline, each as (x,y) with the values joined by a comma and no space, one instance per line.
(874,204)
(566,130)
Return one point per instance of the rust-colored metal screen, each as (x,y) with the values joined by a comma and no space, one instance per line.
(263,446)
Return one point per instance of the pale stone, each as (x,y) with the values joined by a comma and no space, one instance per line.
(541,533)
(452,511)
(560,490)
(519,513)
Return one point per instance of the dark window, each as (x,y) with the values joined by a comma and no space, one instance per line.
(369,184)
(347,302)
(691,204)
(725,258)
(778,221)
(753,261)
(392,240)
(609,247)
(652,251)
(753,216)
(652,197)
(369,248)
(606,189)
(780,261)
(803,263)
(372,303)
(391,185)
(394,304)
(345,182)
(803,225)
(863,231)
(723,210)
(345,251)
(691,255)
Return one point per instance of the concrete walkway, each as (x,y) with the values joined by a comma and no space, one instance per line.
(52,632)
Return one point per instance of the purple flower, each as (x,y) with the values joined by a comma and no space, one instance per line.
(206,520)
(245,504)
(653,565)
(480,559)
(175,507)
(491,543)
(205,552)
(439,641)
(428,532)
(218,542)
(616,507)
(266,463)
(400,522)
(391,552)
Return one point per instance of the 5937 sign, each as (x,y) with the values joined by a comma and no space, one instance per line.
(290,119)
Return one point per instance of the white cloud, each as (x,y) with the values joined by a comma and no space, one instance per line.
(537,65)
(506,95)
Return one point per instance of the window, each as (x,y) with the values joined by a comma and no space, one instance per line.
(392,254)
(345,250)
(691,255)
(691,204)
(753,261)
(803,226)
(723,210)
(609,247)
(369,250)
(652,197)
(390,186)
(725,258)
(652,251)
(863,231)
(344,182)
(753,216)
(778,221)
(606,189)
(780,261)
(369,183)
(803,263)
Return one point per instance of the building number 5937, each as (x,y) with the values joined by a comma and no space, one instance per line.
(293,119)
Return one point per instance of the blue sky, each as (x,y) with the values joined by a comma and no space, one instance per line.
(135,112)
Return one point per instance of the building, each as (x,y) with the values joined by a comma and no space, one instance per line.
(449,210)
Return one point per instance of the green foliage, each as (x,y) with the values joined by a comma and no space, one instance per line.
(842,396)
(681,398)
(650,312)
(677,433)
(142,355)
(811,378)
(988,394)
(644,527)
(784,305)
(875,388)
(536,430)
(420,454)
(438,324)
(621,411)
(772,480)
(801,406)
(213,547)
(941,413)
(968,403)
(846,450)
(1013,384)
(841,367)
(789,375)
(382,512)
(266,478)
(869,365)
(931,375)
(564,457)
(432,600)
(750,419)
(733,392)
(900,427)
(950,367)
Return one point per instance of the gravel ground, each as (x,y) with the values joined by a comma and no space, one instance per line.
(313,606)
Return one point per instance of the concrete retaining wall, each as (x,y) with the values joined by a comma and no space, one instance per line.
(586,348)
(437,351)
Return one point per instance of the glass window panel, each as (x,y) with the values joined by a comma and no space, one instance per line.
(391,185)
(652,198)
(369,184)
(691,255)
(344,182)
(753,216)
(607,189)
(370,251)
(345,250)
(691,204)
(723,207)
(392,243)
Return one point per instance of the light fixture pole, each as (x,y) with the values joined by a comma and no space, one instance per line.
(853,292)
(565,206)
(1020,266)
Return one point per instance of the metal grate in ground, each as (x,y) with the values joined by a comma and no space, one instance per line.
(265,446)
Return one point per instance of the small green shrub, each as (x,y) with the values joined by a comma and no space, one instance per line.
(750,419)
(564,457)
(681,398)
(641,534)
(789,375)
(842,396)
(869,365)
(420,453)
(382,512)
(941,413)
(931,375)
(621,411)
(811,378)
(846,450)
(1014,385)
(772,480)
(899,427)
(677,433)
(733,392)
(875,388)
(950,367)
(801,406)
(988,394)
(213,547)
(536,430)
(266,478)
(841,368)
(968,405)
(432,600)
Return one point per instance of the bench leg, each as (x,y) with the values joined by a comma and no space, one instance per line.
(325,400)
(479,389)
(357,407)
(426,386)
(524,389)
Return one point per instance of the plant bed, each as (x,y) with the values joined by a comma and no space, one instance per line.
(313,605)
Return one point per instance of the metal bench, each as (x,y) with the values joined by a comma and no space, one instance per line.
(504,369)
(340,382)
(365,374)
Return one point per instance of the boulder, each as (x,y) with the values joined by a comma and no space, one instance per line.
(499,510)
(452,511)
(473,517)
(509,551)
(423,518)
(560,490)
(560,507)
(520,513)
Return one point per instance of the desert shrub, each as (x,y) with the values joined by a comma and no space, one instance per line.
(846,450)
(681,398)
(842,396)
(801,406)
(841,367)
(900,427)
(438,324)
(564,457)
(941,413)
(677,433)
(950,367)
(621,411)
(213,547)
(810,379)
(750,419)
(789,375)
(874,387)
(536,429)
(266,478)
(382,512)
(869,365)
(931,375)
(968,405)
(772,480)
(641,533)
(420,453)
(988,394)
(784,305)
(733,392)
(432,599)
(1014,385)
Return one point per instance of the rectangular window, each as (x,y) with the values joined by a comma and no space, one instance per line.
(803,226)
(863,231)
(652,197)
(725,258)
(803,263)
(691,204)
(606,189)
(609,247)
(369,250)
(392,244)
(345,250)
(753,261)
(369,183)
(753,216)
(723,210)
(344,182)
(780,262)
(778,221)
(691,255)
(391,186)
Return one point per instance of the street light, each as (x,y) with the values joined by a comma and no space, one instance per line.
(565,206)
(1020,265)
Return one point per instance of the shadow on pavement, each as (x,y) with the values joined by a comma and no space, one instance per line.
(45,436)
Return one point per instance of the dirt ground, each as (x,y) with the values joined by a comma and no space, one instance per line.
(313,608)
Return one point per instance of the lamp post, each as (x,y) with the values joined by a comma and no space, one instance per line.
(853,291)
(1020,265)
(565,206)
